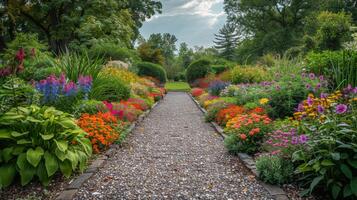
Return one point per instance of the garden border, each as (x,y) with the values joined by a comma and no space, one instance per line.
(275,191)
(70,191)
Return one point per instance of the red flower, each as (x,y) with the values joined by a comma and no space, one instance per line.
(20,55)
(243,136)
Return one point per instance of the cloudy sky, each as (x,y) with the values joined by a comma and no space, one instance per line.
(192,21)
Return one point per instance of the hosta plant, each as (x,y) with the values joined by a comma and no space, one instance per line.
(39,142)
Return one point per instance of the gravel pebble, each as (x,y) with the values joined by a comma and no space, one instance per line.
(173,154)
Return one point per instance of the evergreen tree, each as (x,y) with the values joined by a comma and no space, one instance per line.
(226,41)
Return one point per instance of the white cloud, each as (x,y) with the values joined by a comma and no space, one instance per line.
(200,8)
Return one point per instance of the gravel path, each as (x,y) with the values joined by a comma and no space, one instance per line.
(173,154)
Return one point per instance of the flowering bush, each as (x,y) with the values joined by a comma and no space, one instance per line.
(249,130)
(122,111)
(216,86)
(195,92)
(102,129)
(228,113)
(214,108)
(123,74)
(63,93)
(138,104)
(329,160)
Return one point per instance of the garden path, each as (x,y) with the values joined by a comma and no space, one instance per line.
(173,154)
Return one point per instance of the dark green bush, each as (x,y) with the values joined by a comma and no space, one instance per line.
(218,69)
(87,106)
(198,69)
(111,51)
(151,69)
(109,88)
(274,170)
(231,142)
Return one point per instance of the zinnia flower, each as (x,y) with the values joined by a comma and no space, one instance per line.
(341,108)
(243,136)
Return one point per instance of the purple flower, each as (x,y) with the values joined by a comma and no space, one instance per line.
(294,140)
(300,107)
(341,108)
(303,139)
(323,95)
(312,76)
(303,74)
(320,109)
(322,78)
(318,86)
(354,91)
(308,86)
(309,101)
(277,87)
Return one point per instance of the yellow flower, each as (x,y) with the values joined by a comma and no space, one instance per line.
(263,101)
(354,99)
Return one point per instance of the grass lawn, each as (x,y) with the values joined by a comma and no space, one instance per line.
(177,87)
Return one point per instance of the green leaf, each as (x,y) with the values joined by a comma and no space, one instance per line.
(42,174)
(336,156)
(18,150)
(22,162)
(34,156)
(33,120)
(315,182)
(68,124)
(24,141)
(354,186)
(353,163)
(82,157)
(336,189)
(60,155)
(7,174)
(27,175)
(327,163)
(73,157)
(5,134)
(66,168)
(7,154)
(62,145)
(51,163)
(47,136)
(346,171)
(17,134)
(347,191)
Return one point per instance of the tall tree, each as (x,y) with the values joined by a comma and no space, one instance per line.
(226,41)
(185,55)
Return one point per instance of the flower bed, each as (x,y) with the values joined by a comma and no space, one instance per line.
(297,131)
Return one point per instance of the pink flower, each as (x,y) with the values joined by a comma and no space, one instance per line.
(20,55)
(341,108)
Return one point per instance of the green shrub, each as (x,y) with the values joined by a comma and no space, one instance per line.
(75,64)
(274,170)
(26,41)
(198,69)
(151,69)
(340,67)
(45,142)
(43,73)
(231,142)
(111,51)
(218,69)
(16,92)
(87,106)
(109,88)
(247,74)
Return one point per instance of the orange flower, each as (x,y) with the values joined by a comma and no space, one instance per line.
(243,136)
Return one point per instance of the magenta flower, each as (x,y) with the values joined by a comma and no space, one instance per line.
(320,109)
(341,108)
(300,107)
(318,86)
(303,139)
(294,140)
(312,76)
(322,78)
(308,86)
(309,101)
(323,95)
(20,55)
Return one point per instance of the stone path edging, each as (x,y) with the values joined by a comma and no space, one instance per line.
(275,191)
(98,163)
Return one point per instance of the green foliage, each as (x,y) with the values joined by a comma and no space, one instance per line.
(15,92)
(112,51)
(338,66)
(330,162)
(87,106)
(148,54)
(198,69)
(76,64)
(231,142)
(218,69)
(226,41)
(247,74)
(152,70)
(45,142)
(274,169)
(43,73)
(330,30)
(109,88)
(28,42)
(213,110)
